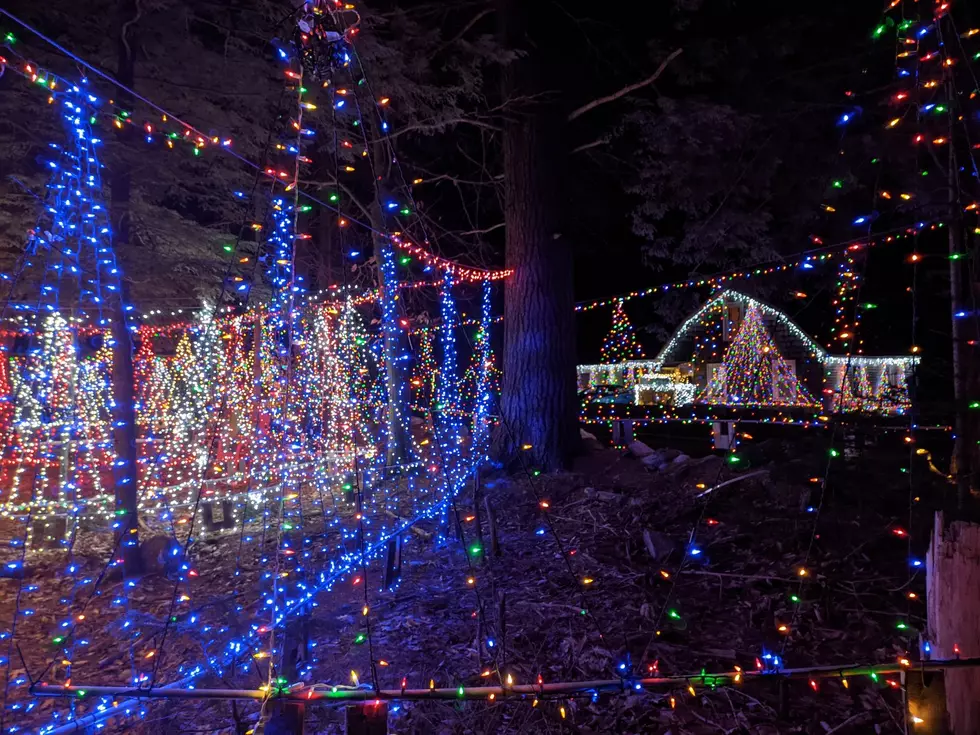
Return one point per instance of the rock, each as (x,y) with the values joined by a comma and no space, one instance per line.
(589,441)
(157,555)
(658,545)
(639,450)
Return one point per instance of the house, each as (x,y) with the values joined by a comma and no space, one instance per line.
(738,351)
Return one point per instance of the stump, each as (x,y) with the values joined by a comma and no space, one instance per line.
(953,599)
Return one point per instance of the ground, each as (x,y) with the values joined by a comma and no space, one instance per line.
(719,592)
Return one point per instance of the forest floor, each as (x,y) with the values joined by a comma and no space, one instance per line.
(679,581)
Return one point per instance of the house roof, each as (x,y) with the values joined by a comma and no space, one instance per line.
(729,295)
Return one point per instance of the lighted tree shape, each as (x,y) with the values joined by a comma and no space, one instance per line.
(855,392)
(754,371)
(892,392)
(620,343)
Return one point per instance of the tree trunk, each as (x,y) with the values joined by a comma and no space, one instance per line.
(124,413)
(953,599)
(538,396)
(398,418)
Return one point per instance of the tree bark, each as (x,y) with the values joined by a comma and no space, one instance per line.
(126,524)
(953,599)
(538,396)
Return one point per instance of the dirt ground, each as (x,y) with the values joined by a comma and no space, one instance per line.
(669,579)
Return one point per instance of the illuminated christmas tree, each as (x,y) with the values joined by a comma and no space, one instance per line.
(855,392)
(621,343)
(754,372)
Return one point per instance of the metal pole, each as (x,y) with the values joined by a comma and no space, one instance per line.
(82,723)
(323,693)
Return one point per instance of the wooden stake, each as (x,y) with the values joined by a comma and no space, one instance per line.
(492,527)
(477,502)
(925,701)
(393,561)
(953,600)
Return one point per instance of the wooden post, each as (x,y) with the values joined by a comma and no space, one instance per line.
(289,718)
(393,562)
(925,698)
(125,524)
(953,629)
(285,718)
(477,502)
(492,528)
(125,475)
(367,719)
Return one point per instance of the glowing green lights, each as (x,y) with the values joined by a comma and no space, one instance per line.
(360,638)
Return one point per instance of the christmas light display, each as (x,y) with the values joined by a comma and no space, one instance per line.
(621,343)
(753,372)
(762,376)
(287,401)
(803,261)
(273,409)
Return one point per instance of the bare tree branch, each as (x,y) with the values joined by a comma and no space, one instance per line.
(483,231)
(456,180)
(595,143)
(476,19)
(441,124)
(627,89)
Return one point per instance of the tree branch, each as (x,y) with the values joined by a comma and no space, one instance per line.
(484,231)
(473,22)
(441,124)
(627,89)
(594,144)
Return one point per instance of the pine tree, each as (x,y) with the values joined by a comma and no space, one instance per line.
(620,343)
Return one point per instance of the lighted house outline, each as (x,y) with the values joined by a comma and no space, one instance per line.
(884,378)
